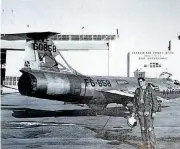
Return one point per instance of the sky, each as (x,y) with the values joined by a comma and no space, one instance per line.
(142,24)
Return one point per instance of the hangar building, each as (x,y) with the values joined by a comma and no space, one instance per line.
(152,64)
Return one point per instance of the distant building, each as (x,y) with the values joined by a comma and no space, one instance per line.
(139,73)
(152,64)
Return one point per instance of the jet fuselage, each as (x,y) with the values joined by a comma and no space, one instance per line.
(90,90)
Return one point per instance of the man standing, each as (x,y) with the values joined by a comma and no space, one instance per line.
(145,105)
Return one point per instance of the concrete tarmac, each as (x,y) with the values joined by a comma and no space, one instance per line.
(39,123)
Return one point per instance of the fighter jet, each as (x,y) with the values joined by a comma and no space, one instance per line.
(44,77)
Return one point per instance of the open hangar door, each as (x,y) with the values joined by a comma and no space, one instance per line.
(3,65)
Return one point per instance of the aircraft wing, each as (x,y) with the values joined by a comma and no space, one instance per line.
(118,96)
(128,95)
(27,35)
(121,93)
(9,87)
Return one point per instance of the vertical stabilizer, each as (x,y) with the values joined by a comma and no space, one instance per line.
(40,52)
(40,55)
(31,59)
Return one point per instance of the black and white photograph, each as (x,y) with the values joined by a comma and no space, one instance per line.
(90,74)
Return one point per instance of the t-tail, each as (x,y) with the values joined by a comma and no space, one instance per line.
(42,54)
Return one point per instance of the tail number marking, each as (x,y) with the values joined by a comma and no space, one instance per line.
(44,47)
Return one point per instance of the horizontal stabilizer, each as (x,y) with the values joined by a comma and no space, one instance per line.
(27,35)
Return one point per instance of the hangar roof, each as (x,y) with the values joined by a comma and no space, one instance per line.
(61,45)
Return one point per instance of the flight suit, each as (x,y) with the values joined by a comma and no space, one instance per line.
(145,100)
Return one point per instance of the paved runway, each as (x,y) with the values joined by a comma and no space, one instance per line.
(39,123)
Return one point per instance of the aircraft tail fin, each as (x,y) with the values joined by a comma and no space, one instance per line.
(41,55)
(38,55)
(40,52)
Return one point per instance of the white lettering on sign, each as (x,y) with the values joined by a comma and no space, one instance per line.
(44,47)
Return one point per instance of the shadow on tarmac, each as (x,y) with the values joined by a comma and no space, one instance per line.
(35,113)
